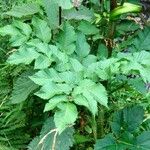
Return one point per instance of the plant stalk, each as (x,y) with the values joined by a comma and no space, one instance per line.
(110,39)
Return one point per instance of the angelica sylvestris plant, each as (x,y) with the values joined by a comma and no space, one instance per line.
(78,52)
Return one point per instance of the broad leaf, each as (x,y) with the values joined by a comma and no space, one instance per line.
(65,116)
(143,141)
(82,47)
(25,28)
(51,89)
(82,13)
(45,76)
(92,92)
(87,28)
(23,10)
(52,11)
(142,42)
(42,62)
(108,143)
(22,88)
(46,139)
(42,30)
(76,65)
(53,102)
(102,51)
(67,38)
(131,121)
(17,38)
(23,55)
(65,4)
(125,119)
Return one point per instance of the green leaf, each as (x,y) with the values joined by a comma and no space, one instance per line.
(23,55)
(117,122)
(108,143)
(17,38)
(42,62)
(65,116)
(102,51)
(45,141)
(53,102)
(131,121)
(82,47)
(51,89)
(82,139)
(23,86)
(84,27)
(143,141)
(90,59)
(46,49)
(52,10)
(9,30)
(83,13)
(92,92)
(125,119)
(25,28)
(142,42)
(23,10)
(127,26)
(42,30)
(65,4)
(66,44)
(76,65)
(45,76)
(88,102)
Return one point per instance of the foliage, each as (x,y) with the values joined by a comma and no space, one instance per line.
(124,127)
(49,138)
(70,66)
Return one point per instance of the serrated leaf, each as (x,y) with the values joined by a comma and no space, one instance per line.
(25,28)
(84,27)
(65,4)
(127,26)
(82,47)
(117,122)
(9,30)
(64,141)
(51,89)
(125,119)
(52,11)
(42,30)
(130,119)
(23,55)
(143,141)
(90,59)
(45,76)
(17,38)
(22,88)
(66,44)
(53,102)
(89,102)
(46,49)
(141,44)
(65,116)
(102,51)
(76,65)
(23,10)
(42,62)
(96,91)
(83,13)
(108,143)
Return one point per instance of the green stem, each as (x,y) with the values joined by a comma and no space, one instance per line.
(94,127)
(109,37)
(100,122)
